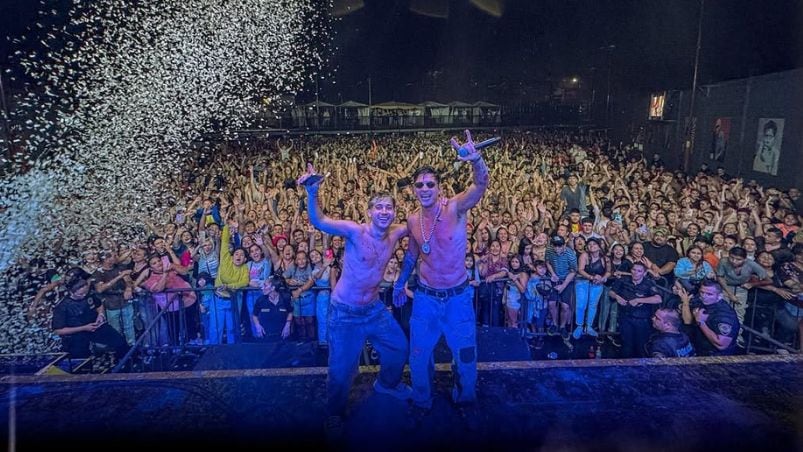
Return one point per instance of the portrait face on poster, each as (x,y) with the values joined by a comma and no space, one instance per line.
(768,145)
(719,138)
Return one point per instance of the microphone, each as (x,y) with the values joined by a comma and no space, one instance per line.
(462,152)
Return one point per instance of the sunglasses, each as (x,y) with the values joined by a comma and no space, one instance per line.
(421,184)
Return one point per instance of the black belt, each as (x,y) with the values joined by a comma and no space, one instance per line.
(443,293)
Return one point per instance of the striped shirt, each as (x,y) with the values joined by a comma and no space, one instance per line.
(563,263)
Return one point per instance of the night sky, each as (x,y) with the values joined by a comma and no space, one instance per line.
(472,55)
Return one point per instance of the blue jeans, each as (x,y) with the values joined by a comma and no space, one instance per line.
(321,312)
(586,298)
(221,316)
(608,312)
(251,297)
(122,320)
(349,327)
(453,317)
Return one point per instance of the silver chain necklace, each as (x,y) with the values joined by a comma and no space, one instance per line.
(425,247)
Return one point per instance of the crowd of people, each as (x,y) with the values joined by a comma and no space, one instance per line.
(572,237)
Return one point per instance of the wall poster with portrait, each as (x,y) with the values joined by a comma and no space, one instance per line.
(768,145)
(720,136)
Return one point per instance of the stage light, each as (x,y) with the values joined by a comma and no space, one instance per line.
(492,7)
(431,8)
(343,7)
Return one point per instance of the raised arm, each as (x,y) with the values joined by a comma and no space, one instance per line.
(479,170)
(316,216)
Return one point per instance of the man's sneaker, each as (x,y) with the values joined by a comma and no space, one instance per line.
(553,330)
(577,332)
(564,333)
(401,391)
(591,331)
(333,428)
(614,341)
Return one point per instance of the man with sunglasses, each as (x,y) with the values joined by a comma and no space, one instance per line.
(443,300)
(356,312)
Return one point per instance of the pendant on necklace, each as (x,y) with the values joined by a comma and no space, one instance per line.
(425,247)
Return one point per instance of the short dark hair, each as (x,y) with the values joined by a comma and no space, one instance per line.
(711,283)
(426,169)
(587,220)
(671,317)
(641,264)
(738,251)
(76,283)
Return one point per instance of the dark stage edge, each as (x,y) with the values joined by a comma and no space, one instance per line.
(731,403)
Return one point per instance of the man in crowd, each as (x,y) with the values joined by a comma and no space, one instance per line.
(115,289)
(663,255)
(80,320)
(562,264)
(732,273)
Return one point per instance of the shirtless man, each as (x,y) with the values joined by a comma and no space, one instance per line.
(355,312)
(444,301)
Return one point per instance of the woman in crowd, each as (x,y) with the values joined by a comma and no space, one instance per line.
(593,270)
(299,278)
(325,276)
(515,286)
(493,268)
(692,269)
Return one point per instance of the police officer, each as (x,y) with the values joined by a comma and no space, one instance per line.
(717,325)
(635,296)
(669,341)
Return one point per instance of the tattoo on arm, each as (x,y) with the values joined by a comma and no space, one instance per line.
(480,172)
(408,265)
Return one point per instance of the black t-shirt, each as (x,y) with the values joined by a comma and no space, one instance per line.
(271,316)
(722,320)
(72,313)
(660,256)
(669,345)
(627,290)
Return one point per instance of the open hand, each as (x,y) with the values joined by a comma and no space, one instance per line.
(309,173)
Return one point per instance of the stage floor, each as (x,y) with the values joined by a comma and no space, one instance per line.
(734,403)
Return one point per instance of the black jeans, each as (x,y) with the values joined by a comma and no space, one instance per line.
(635,334)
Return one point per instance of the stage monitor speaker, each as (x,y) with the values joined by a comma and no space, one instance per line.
(494,344)
(258,356)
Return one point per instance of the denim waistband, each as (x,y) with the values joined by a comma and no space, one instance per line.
(443,293)
(364,309)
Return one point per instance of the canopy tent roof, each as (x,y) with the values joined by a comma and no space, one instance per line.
(351,103)
(393,105)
